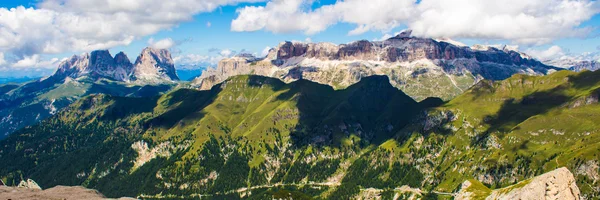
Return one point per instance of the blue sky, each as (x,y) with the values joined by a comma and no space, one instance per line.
(544,35)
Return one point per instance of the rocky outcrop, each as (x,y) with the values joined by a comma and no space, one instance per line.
(97,64)
(29,184)
(146,153)
(58,192)
(154,65)
(421,67)
(229,67)
(557,184)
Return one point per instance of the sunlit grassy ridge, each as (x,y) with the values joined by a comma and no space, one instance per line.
(502,132)
(308,140)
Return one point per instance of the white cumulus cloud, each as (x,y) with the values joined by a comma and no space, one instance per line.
(553,52)
(58,26)
(226,53)
(35,61)
(520,21)
(2,61)
(192,60)
(166,43)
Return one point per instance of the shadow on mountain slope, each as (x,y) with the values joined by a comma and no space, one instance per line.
(186,104)
(585,80)
(365,113)
(513,111)
(117,89)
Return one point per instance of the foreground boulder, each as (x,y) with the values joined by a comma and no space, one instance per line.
(557,184)
(58,192)
(29,184)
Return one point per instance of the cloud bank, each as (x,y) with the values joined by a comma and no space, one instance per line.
(58,26)
(520,21)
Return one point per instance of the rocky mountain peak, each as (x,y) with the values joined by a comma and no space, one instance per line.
(154,65)
(97,64)
(101,57)
(403,34)
(121,58)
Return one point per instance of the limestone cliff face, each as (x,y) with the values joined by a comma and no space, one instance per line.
(557,184)
(152,65)
(421,67)
(97,64)
(229,67)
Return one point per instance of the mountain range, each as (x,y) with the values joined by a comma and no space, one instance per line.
(97,72)
(421,67)
(577,65)
(407,117)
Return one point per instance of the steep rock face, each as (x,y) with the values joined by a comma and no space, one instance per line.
(421,67)
(404,48)
(97,64)
(229,67)
(154,65)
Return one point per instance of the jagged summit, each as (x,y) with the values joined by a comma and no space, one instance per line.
(403,34)
(97,64)
(152,66)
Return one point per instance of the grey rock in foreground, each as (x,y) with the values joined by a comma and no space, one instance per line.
(557,184)
(58,192)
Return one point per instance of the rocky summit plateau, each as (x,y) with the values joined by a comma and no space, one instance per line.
(421,67)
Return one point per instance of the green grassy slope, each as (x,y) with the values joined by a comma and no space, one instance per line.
(32,102)
(251,130)
(502,132)
(306,140)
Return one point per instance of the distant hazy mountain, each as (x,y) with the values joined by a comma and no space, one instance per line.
(16,80)
(575,64)
(95,73)
(421,67)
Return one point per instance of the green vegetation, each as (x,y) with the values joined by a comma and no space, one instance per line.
(257,137)
(27,104)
